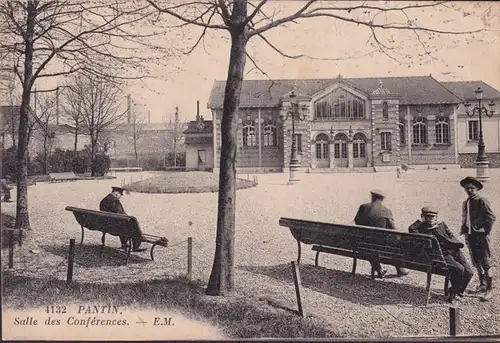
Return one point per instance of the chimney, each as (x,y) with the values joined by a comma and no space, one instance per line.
(201,118)
(129,108)
(197,110)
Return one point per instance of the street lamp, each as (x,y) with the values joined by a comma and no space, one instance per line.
(295,113)
(482,162)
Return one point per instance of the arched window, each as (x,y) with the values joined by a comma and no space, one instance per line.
(402,132)
(249,138)
(442,130)
(340,146)
(322,150)
(270,134)
(359,145)
(339,104)
(385,110)
(419,131)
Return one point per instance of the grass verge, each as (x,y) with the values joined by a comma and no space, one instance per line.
(184,182)
(236,316)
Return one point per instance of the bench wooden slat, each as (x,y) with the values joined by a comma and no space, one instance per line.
(115,224)
(416,251)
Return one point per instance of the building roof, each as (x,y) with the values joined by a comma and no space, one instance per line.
(268,93)
(465,89)
(195,127)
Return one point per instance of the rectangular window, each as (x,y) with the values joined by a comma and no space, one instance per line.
(385,141)
(336,149)
(362,150)
(325,150)
(344,150)
(318,151)
(473,128)
(355,150)
(298,141)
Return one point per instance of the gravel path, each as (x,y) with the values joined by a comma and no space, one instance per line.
(358,307)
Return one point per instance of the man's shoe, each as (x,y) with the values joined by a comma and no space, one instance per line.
(451,297)
(403,272)
(481,288)
(382,273)
(139,249)
(489,287)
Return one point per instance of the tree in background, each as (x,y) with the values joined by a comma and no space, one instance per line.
(243,21)
(47,39)
(99,102)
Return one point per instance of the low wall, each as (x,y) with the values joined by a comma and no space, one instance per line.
(468,160)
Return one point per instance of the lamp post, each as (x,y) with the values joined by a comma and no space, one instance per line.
(294,157)
(482,162)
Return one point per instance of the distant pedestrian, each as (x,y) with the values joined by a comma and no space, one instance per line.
(377,215)
(398,172)
(461,272)
(478,220)
(6,188)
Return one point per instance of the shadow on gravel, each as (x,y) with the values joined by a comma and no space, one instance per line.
(359,289)
(93,256)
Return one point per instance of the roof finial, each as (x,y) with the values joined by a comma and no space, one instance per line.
(380,83)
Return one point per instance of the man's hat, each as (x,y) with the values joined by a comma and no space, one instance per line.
(377,192)
(471,180)
(429,210)
(117,189)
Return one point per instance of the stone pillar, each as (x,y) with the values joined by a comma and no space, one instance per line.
(350,156)
(332,154)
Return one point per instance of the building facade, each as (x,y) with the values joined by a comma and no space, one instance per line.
(348,124)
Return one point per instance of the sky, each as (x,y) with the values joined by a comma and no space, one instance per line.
(338,48)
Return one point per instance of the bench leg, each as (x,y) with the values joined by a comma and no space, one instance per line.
(299,251)
(81,241)
(354,264)
(316,259)
(129,249)
(428,288)
(152,258)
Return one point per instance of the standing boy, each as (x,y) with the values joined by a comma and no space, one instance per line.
(478,220)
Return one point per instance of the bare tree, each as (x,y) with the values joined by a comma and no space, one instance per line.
(72,111)
(99,109)
(244,20)
(137,122)
(46,39)
(42,122)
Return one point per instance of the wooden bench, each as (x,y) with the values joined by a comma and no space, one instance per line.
(414,251)
(116,225)
(59,177)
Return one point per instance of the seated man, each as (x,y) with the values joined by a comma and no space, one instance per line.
(461,272)
(111,203)
(375,214)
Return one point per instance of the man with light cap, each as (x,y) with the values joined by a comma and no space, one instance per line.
(460,271)
(377,215)
(111,203)
(478,220)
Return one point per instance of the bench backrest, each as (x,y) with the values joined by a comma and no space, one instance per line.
(112,223)
(415,248)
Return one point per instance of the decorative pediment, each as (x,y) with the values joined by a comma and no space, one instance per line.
(383,91)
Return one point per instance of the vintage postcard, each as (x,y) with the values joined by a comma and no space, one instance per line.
(213,170)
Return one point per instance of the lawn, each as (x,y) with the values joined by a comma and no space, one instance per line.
(183,182)
(390,307)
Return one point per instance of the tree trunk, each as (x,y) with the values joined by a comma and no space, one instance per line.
(221,278)
(135,152)
(76,138)
(93,144)
(45,153)
(175,151)
(22,216)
